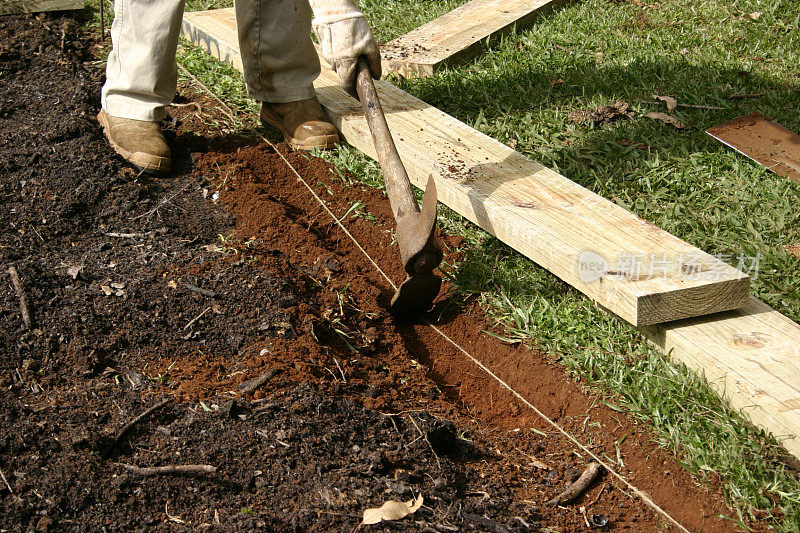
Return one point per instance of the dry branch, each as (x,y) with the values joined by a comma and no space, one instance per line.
(169,469)
(198,290)
(139,418)
(578,487)
(2,475)
(250,386)
(23,299)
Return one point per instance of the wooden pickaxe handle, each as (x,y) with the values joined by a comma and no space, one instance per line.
(419,249)
(398,186)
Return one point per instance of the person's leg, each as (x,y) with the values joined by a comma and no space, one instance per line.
(280,66)
(141,73)
(279,59)
(141,78)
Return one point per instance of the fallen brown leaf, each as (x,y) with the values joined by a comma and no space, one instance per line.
(391,510)
(667,119)
(670,101)
(755,15)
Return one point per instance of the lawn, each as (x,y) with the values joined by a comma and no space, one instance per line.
(737,56)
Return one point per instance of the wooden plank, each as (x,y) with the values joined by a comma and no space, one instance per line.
(215,32)
(34,6)
(750,355)
(460,35)
(762,140)
(644,274)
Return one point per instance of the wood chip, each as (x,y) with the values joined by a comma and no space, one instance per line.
(23,298)
(578,487)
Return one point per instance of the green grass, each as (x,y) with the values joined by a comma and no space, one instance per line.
(392,18)
(685,182)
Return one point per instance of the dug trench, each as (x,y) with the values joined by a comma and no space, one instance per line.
(225,299)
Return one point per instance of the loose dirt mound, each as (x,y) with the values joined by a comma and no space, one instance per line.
(191,287)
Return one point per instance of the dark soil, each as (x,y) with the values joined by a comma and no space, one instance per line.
(190,287)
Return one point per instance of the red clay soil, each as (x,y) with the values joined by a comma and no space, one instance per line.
(274,211)
(227,290)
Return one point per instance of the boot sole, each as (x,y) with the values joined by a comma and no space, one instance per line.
(322,142)
(147,163)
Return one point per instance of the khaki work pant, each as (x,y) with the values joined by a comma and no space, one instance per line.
(280,62)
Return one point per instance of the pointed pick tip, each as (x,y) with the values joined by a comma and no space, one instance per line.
(416,294)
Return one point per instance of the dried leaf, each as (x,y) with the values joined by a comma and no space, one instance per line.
(670,101)
(391,510)
(106,289)
(755,15)
(556,82)
(666,119)
(74,271)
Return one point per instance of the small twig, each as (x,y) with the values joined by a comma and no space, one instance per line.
(128,235)
(36,231)
(340,369)
(172,518)
(169,469)
(265,407)
(585,518)
(228,111)
(693,106)
(198,290)
(575,489)
(139,418)
(161,204)
(188,104)
(594,501)
(23,299)
(250,386)
(198,317)
(424,436)
(2,475)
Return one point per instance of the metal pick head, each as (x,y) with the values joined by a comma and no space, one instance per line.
(416,294)
(419,249)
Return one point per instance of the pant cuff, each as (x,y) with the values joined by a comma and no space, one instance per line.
(283,96)
(134,110)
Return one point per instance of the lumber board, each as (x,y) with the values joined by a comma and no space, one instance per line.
(764,141)
(550,219)
(8,7)
(460,35)
(750,355)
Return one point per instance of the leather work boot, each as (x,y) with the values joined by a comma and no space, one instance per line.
(139,142)
(303,124)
